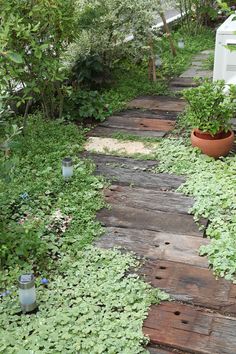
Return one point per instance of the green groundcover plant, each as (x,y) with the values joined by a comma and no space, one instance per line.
(212,183)
(88,306)
(87,302)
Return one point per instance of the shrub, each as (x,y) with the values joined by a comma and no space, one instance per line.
(40,31)
(210,108)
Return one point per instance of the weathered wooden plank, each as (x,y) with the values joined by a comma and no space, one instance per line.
(184,82)
(155,245)
(120,161)
(191,284)
(109,132)
(146,124)
(147,199)
(153,350)
(139,113)
(123,216)
(142,179)
(135,175)
(158,102)
(192,329)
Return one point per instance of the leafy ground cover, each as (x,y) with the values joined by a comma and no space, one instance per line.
(212,184)
(87,302)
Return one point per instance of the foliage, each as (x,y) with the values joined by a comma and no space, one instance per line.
(197,13)
(89,306)
(87,303)
(209,108)
(212,184)
(91,72)
(41,31)
(208,64)
(36,190)
(89,104)
(105,25)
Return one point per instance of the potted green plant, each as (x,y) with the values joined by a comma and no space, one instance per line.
(209,113)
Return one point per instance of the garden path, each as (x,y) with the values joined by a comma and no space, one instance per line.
(150,218)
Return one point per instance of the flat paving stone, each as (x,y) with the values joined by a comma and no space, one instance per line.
(115,146)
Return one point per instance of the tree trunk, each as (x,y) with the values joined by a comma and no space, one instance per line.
(167,30)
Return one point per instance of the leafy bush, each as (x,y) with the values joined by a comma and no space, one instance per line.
(89,104)
(91,72)
(40,31)
(210,108)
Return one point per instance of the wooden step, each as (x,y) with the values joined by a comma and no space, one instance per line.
(153,350)
(191,284)
(190,328)
(108,132)
(147,199)
(146,124)
(133,172)
(183,82)
(127,217)
(161,246)
(163,103)
(143,113)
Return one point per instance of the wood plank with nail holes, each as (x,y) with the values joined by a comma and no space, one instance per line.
(160,103)
(127,217)
(190,328)
(155,245)
(191,284)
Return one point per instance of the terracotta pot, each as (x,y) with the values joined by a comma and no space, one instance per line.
(205,135)
(214,147)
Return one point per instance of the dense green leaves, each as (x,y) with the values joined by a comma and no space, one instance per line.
(40,31)
(212,183)
(210,108)
(89,306)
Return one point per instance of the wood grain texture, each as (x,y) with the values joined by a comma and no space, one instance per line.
(119,161)
(190,328)
(127,217)
(109,132)
(185,82)
(191,284)
(144,124)
(142,113)
(159,103)
(153,245)
(153,350)
(147,199)
(138,178)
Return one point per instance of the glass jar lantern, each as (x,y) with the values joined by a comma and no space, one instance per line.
(67,168)
(27,293)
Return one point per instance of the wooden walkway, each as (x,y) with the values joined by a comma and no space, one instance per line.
(149,218)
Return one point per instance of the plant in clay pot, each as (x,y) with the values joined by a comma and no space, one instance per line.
(209,113)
